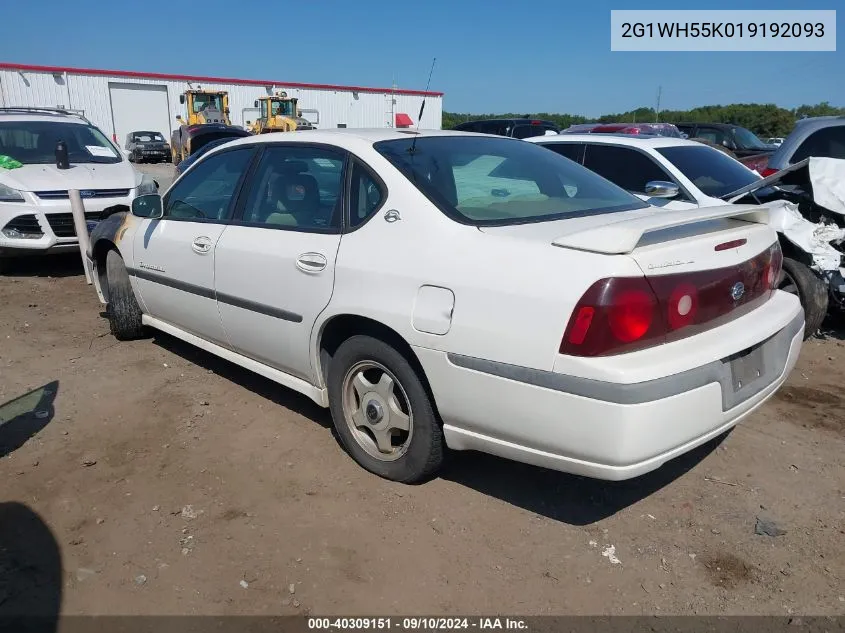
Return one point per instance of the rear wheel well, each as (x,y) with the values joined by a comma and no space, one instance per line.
(342,327)
(792,251)
(100,250)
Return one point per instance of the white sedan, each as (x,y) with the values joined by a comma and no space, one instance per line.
(460,290)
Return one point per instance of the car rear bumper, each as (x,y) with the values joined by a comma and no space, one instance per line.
(610,431)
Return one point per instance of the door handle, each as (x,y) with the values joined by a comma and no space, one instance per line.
(201,244)
(311,262)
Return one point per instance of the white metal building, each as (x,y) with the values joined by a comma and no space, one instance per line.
(119,102)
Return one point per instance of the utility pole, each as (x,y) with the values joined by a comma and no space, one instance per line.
(657,111)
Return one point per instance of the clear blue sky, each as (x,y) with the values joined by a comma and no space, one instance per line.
(543,55)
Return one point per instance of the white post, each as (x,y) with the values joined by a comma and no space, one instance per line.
(78,209)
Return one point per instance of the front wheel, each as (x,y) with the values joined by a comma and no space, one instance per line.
(382,412)
(123,311)
(796,278)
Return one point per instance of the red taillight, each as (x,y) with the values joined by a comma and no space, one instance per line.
(623,314)
(768,171)
(536,123)
(631,314)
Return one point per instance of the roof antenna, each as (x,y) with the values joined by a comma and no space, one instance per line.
(422,108)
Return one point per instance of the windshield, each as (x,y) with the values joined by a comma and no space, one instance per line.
(747,139)
(496,181)
(34,142)
(284,108)
(202,101)
(713,172)
(147,137)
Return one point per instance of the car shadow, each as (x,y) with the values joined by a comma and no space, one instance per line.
(30,571)
(259,385)
(26,415)
(59,265)
(566,498)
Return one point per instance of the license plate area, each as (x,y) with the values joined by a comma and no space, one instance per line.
(746,367)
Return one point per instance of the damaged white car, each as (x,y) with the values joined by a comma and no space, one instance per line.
(806,201)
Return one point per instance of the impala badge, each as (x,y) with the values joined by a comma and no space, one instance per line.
(737,290)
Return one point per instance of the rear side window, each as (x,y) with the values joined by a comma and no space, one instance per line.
(529,131)
(712,134)
(572,151)
(828,142)
(499,128)
(365,195)
(623,166)
(205,191)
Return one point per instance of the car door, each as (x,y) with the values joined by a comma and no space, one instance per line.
(275,263)
(631,169)
(174,255)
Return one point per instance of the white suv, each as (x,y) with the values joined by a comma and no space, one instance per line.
(35,215)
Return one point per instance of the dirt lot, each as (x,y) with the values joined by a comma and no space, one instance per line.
(173,482)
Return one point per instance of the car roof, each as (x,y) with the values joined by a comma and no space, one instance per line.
(20,115)
(347,136)
(631,140)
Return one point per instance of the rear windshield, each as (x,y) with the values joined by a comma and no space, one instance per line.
(34,142)
(715,173)
(499,181)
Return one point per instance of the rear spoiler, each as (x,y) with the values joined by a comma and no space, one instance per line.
(620,237)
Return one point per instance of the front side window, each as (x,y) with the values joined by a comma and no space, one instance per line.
(34,142)
(297,188)
(828,142)
(748,140)
(205,191)
(715,173)
(626,167)
(498,181)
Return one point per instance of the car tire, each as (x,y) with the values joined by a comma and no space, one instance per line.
(123,311)
(359,408)
(797,278)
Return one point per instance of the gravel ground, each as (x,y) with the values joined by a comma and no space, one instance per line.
(165,481)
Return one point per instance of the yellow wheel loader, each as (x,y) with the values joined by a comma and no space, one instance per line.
(278,113)
(207,119)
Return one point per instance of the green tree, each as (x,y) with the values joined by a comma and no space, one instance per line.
(764,119)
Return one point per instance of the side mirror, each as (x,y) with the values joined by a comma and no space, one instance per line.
(156,184)
(182,99)
(729,144)
(661,189)
(148,206)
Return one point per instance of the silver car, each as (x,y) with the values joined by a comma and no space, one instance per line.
(818,136)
